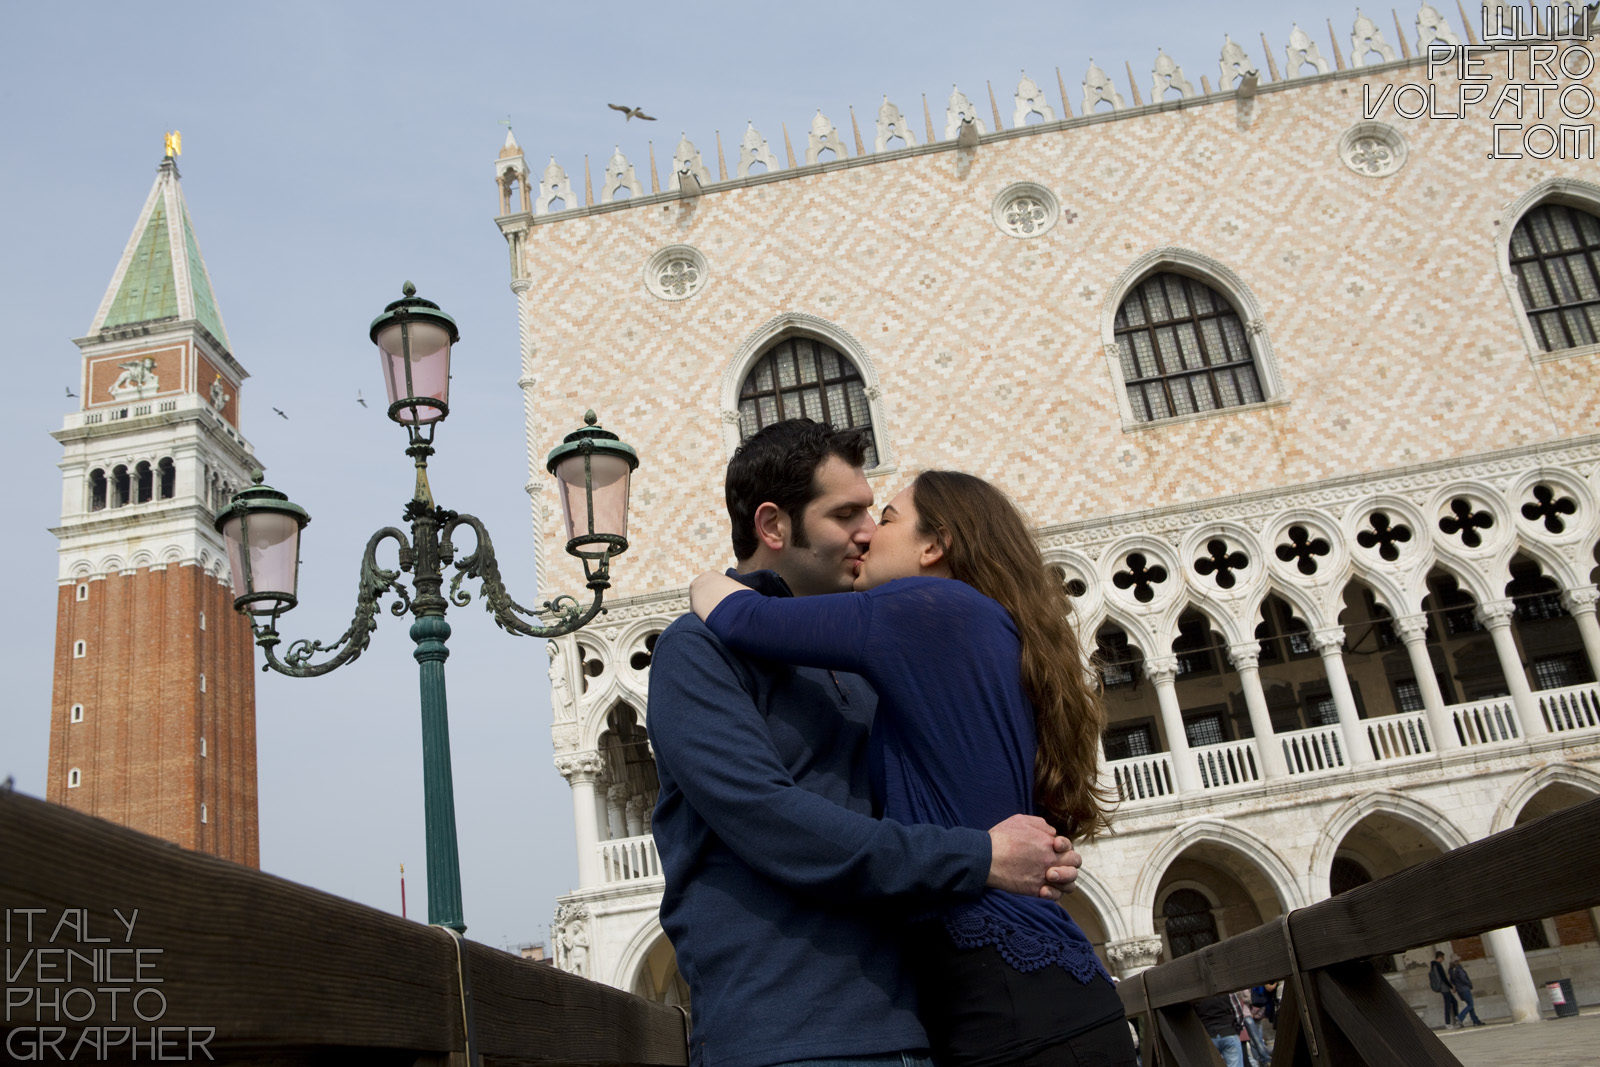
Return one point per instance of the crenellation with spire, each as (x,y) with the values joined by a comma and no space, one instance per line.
(1238,75)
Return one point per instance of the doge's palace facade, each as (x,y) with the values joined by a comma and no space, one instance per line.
(1300,392)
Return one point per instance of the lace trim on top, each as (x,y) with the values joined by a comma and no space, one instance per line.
(1025,950)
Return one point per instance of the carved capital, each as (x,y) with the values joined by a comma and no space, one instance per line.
(1328,640)
(1496,614)
(618,794)
(730,417)
(1581,600)
(1245,657)
(1113,352)
(1255,327)
(1412,628)
(1161,668)
(1133,954)
(581,767)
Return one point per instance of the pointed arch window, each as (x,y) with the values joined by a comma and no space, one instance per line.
(1184,349)
(802,377)
(1555,252)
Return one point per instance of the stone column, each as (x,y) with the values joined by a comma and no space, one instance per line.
(1162,670)
(1496,617)
(1581,603)
(636,809)
(1246,659)
(616,811)
(1133,954)
(582,770)
(1522,997)
(1330,642)
(1413,630)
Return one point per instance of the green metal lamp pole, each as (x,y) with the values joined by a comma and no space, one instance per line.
(262,530)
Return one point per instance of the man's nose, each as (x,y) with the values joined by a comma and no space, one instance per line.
(866,530)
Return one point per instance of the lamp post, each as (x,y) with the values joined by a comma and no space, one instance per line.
(262,529)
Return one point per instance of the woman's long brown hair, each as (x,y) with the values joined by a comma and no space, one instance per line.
(987,544)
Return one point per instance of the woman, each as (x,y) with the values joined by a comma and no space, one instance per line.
(984,711)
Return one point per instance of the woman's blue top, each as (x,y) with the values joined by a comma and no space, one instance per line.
(953,743)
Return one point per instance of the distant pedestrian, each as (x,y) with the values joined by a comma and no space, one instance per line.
(1439,982)
(1220,1016)
(1255,1045)
(1461,982)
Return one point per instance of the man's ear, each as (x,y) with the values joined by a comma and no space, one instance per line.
(772,526)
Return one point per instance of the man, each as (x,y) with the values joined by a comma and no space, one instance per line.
(784,895)
(1220,1016)
(1461,982)
(1439,982)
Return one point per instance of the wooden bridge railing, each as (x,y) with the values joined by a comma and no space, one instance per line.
(1337,1008)
(122,948)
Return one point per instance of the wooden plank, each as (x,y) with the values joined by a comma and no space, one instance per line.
(267,967)
(1381,1029)
(1184,1040)
(1289,1047)
(1546,867)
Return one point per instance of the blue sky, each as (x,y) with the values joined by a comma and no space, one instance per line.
(334,150)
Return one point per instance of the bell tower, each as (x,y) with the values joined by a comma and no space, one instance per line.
(153,716)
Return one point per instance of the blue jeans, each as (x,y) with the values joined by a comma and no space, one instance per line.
(1469,1009)
(890,1059)
(1232,1051)
(1258,1043)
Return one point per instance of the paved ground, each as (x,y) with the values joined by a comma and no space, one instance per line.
(1558,1042)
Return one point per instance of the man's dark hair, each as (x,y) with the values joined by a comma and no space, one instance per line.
(778,464)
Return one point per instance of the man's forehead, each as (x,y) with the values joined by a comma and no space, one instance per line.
(837,482)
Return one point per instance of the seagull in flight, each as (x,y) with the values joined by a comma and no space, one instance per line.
(631,113)
(359,399)
(71,393)
(281,415)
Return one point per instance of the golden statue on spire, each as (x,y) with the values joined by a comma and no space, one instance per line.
(174,144)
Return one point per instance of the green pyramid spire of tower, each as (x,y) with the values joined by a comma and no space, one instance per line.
(162,275)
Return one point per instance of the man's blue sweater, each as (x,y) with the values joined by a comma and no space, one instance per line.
(783,894)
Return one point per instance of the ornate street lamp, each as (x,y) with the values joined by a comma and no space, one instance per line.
(262,530)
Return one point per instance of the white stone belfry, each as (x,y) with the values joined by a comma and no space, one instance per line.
(1166,74)
(754,149)
(686,160)
(1365,37)
(1097,86)
(552,187)
(824,135)
(1031,101)
(1302,50)
(960,110)
(619,175)
(1433,28)
(1234,63)
(892,124)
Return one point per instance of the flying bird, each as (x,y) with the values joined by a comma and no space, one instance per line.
(71,393)
(359,400)
(631,113)
(281,415)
